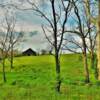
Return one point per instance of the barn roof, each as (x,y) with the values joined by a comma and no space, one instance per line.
(29,51)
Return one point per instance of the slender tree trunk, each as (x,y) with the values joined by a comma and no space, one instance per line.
(92,59)
(11,58)
(98,41)
(58,79)
(86,70)
(91,46)
(96,69)
(4,75)
(57,61)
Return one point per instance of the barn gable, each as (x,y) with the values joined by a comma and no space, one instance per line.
(29,52)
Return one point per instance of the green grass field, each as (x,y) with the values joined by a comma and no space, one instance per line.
(33,78)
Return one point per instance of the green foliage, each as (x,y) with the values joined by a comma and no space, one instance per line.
(33,78)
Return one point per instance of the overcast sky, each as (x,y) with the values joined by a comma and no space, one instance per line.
(30,23)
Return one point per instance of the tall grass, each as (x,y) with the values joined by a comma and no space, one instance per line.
(33,78)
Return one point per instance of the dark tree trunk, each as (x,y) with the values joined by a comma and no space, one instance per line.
(57,61)
(11,58)
(4,74)
(87,79)
(92,59)
(58,79)
(96,69)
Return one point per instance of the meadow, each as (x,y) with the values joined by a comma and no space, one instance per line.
(33,78)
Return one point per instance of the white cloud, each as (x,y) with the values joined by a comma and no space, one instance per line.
(27,27)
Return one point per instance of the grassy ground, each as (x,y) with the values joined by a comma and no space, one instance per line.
(33,78)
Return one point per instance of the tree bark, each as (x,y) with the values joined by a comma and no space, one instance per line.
(92,59)
(57,61)
(4,75)
(11,58)
(98,41)
(58,79)
(86,70)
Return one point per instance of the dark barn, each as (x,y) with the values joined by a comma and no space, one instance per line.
(29,52)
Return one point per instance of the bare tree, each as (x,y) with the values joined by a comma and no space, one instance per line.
(82,33)
(8,38)
(96,21)
(14,38)
(56,25)
(91,30)
(5,47)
